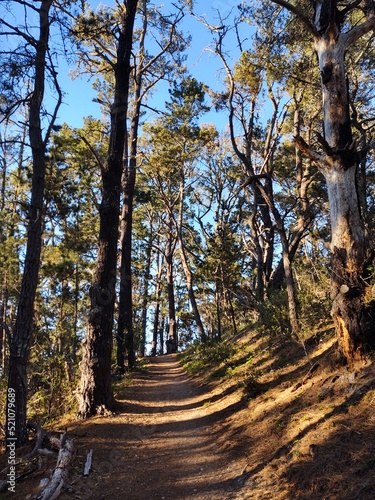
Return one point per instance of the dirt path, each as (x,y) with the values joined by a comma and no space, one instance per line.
(162,444)
(293,434)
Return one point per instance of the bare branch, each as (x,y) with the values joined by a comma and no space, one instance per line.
(301,16)
(18,32)
(311,153)
(58,103)
(350,7)
(356,33)
(92,150)
(362,152)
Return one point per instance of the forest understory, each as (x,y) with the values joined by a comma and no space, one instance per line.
(274,420)
(222,206)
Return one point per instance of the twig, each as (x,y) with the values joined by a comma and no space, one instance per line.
(87,467)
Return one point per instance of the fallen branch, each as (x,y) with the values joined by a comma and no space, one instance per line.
(53,489)
(87,467)
(41,434)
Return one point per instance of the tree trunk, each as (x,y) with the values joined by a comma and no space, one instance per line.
(352,308)
(191,293)
(125,331)
(353,317)
(161,335)
(3,325)
(218,295)
(232,314)
(95,392)
(156,317)
(172,341)
(145,298)
(157,310)
(290,289)
(186,269)
(20,344)
(125,334)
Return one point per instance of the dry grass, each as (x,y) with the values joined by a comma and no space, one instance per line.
(309,430)
(295,424)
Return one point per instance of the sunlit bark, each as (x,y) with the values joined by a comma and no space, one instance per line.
(352,313)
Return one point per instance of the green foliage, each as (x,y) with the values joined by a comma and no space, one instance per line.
(51,387)
(273,314)
(250,383)
(200,357)
(247,72)
(222,361)
(189,172)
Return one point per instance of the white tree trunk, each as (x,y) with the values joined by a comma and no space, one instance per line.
(348,243)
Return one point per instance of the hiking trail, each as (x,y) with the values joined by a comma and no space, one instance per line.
(162,443)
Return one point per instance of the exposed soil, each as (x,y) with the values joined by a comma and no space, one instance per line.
(303,429)
(162,444)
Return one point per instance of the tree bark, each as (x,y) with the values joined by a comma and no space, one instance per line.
(125,331)
(54,487)
(156,317)
(16,429)
(172,341)
(186,268)
(95,392)
(158,290)
(125,334)
(145,298)
(353,317)
(352,308)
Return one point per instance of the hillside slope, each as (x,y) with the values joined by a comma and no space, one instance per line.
(268,419)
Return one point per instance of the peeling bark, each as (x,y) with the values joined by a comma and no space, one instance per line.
(352,310)
(348,242)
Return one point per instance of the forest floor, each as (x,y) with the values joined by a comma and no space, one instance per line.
(300,428)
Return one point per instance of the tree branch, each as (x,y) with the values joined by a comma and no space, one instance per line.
(305,148)
(92,150)
(356,33)
(350,7)
(301,16)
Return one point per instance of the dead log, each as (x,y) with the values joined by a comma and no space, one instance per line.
(53,489)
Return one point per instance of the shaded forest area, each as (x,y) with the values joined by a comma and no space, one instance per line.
(150,230)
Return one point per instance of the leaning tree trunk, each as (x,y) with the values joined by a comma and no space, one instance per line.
(191,293)
(95,392)
(22,334)
(172,341)
(353,316)
(186,269)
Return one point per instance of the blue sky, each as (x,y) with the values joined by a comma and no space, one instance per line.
(205,66)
